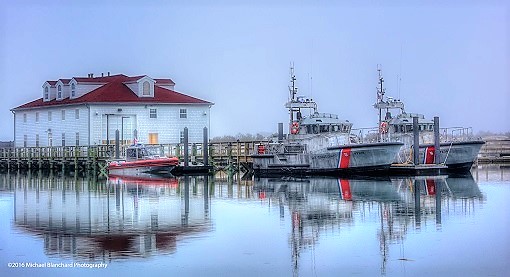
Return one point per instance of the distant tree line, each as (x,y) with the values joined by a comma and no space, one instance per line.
(242,137)
(490,134)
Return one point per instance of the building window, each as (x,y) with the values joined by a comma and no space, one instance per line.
(183,113)
(73,90)
(153,113)
(63,114)
(77,114)
(146,88)
(37,140)
(153,138)
(181,137)
(77,139)
(49,116)
(46,95)
(37,117)
(59,92)
(63,139)
(24,118)
(25,140)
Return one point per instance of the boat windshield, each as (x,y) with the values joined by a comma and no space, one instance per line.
(136,153)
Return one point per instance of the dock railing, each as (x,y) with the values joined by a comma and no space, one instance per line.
(219,152)
(456,134)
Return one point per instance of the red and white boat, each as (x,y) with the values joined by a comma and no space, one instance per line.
(139,162)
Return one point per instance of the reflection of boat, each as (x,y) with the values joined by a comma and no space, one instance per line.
(320,144)
(140,162)
(151,180)
(458,150)
(321,206)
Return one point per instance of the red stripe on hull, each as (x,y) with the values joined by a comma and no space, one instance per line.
(345,158)
(429,155)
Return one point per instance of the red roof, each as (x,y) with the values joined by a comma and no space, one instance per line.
(115,91)
(65,81)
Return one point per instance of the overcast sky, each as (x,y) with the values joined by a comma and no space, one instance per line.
(454,60)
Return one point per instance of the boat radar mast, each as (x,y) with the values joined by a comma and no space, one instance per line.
(296,103)
(385,104)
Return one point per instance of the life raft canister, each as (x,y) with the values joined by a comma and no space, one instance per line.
(295,128)
(384,127)
(261,149)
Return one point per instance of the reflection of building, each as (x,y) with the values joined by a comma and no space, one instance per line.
(89,111)
(90,220)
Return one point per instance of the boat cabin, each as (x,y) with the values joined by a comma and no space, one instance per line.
(318,123)
(403,123)
(138,152)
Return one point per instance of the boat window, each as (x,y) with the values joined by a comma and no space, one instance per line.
(324,128)
(131,154)
(308,129)
(315,129)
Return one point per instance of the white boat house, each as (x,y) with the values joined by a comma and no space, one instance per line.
(89,111)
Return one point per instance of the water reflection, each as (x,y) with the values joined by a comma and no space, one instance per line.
(401,204)
(83,218)
(80,218)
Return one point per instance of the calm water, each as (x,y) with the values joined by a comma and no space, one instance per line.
(438,226)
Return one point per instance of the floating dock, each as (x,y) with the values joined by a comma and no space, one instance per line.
(417,170)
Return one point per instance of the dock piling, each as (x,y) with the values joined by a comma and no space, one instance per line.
(186,150)
(117,144)
(205,150)
(280,132)
(416,143)
(436,141)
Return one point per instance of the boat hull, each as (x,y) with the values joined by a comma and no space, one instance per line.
(162,166)
(356,159)
(458,156)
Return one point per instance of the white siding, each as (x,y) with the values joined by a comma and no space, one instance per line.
(69,126)
(167,125)
(133,87)
(170,87)
(52,91)
(82,89)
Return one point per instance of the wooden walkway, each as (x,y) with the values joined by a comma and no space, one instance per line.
(228,156)
(496,151)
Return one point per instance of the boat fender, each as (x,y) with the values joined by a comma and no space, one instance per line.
(295,128)
(384,127)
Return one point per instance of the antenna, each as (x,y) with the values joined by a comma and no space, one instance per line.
(399,77)
(311,71)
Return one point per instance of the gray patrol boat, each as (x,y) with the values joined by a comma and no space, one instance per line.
(320,144)
(458,147)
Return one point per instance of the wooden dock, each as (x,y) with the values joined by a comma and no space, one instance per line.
(496,150)
(223,156)
(416,170)
(227,156)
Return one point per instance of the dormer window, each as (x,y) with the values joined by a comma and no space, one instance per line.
(46,93)
(146,88)
(59,93)
(73,90)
